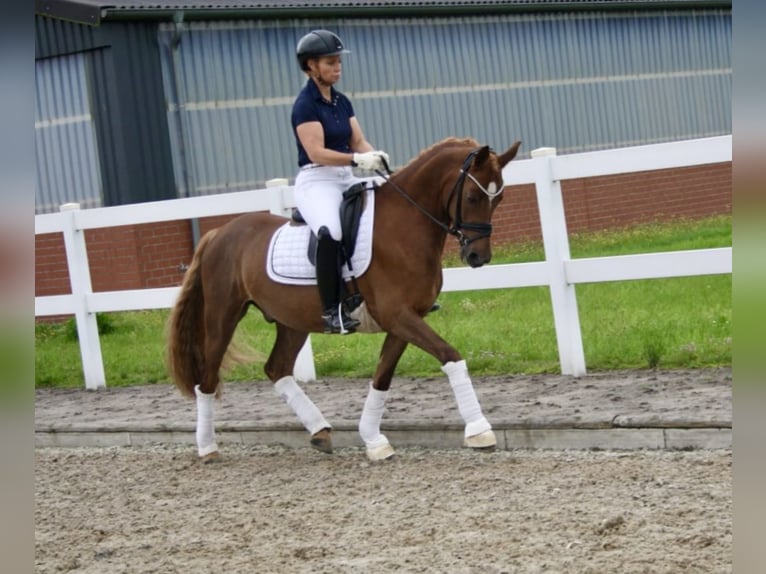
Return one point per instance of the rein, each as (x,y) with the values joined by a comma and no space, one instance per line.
(482,229)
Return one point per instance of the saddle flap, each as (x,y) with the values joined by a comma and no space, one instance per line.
(351,209)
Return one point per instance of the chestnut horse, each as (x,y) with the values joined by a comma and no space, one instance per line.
(451,188)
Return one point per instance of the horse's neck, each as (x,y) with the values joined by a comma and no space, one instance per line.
(403,220)
(428,191)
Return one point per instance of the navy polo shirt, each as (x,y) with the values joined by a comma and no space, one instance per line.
(335,117)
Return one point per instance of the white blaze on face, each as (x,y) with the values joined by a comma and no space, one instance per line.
(491,191)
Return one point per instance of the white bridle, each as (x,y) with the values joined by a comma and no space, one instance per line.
(492,192)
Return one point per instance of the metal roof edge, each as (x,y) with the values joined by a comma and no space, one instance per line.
(361,11)
(70,11)
(87,13)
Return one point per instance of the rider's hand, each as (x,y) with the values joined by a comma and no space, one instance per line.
(372,160)
(384,155)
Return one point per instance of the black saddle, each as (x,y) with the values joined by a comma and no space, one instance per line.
(351,209)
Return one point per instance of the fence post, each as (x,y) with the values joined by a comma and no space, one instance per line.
(556,243)
(277,197)
(304,369)
(79,279)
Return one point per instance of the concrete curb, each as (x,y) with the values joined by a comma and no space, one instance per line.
(696,436)
(621,410)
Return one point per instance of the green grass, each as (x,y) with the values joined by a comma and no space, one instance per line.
(666,323)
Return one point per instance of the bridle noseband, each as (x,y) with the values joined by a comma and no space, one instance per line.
(456,229)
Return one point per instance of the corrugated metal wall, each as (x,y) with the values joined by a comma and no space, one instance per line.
(578,81)
(101,123)
(65,138)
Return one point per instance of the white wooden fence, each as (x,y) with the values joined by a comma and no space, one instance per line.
(559,271)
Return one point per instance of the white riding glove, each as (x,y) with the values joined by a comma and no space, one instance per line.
(371,160)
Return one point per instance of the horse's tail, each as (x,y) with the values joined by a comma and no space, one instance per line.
(185,356)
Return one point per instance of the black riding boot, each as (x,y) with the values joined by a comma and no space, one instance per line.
(336,320)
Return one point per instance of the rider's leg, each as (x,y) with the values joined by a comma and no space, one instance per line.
(318,194)
(328,280)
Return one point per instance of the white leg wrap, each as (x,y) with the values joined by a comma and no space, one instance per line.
(467,403)
(369,423)
(307,411)
(205,422)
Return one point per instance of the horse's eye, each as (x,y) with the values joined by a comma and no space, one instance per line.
(474,197)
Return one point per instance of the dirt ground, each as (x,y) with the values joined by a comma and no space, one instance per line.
(272,509)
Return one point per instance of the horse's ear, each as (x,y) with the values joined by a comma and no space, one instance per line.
(481,156)
(509,154)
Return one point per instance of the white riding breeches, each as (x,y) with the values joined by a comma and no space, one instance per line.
(318,192)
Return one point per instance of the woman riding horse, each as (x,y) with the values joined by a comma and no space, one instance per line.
(450,189)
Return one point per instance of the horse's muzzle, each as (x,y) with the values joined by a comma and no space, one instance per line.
(473,251)
(475,259)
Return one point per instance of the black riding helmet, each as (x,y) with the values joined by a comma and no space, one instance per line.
(316,44)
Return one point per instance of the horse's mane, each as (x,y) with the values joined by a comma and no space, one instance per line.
(446,142)
(440,145)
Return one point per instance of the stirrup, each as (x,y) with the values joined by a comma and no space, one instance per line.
(336,321)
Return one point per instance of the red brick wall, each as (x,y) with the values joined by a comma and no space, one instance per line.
(627,199)
(125,257)
(151,255)
(51,272)
(609,202)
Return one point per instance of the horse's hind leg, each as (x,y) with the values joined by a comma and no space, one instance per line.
(378,447)
(279,368)
(219,330)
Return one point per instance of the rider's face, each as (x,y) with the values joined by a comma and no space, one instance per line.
(327,68)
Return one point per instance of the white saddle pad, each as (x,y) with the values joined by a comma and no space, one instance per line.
(287,260)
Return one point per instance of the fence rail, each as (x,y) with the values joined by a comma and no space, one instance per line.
(558,271)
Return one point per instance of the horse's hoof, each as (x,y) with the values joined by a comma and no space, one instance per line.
(482,441)
(210,457)
(382,452)
(322,441)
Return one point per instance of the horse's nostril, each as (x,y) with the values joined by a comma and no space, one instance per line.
(475,259)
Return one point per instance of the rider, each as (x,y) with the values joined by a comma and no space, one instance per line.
(330,142)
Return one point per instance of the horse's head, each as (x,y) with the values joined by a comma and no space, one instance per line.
(476,194)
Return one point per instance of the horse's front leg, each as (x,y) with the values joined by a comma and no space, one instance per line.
(378,447)
(412,328)
(279,368)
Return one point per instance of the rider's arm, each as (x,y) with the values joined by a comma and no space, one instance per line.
(311,135)
(358,142)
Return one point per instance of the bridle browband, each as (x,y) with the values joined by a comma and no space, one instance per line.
(456,230)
